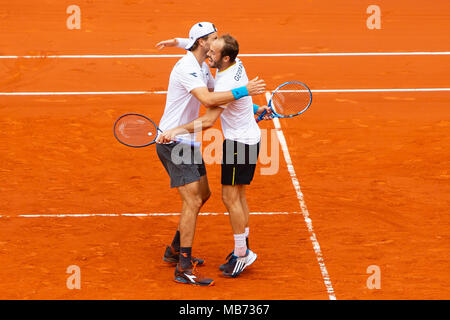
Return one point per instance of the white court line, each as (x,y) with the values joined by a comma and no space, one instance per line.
(76,93)
(301,200)
(153,214)
(149,56)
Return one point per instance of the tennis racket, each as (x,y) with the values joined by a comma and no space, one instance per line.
(289,100)
(137,131)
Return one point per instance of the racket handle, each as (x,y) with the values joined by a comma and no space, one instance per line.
(261,116)
(189,142)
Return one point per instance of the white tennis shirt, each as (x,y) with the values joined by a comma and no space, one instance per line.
(237,119)
(181,106)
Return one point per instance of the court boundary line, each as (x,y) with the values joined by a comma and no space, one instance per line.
(74,93)
(150,214)
(150,56)
(305,212)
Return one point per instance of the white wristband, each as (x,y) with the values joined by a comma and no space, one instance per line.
(182,42)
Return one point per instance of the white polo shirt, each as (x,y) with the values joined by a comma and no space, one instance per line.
(238,120)
(181,106)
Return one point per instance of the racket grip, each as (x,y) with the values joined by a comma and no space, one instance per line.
(261,116)
(189,142)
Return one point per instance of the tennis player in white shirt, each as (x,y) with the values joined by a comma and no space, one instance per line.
(240,147)
(190,85)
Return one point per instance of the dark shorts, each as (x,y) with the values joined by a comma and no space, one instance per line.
(183,163)
(238,162)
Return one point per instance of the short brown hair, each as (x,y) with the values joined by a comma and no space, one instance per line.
(230,47)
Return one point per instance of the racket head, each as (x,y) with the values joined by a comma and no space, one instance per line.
(135,130)
(290,99)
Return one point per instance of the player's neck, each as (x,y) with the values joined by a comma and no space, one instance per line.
(199,55)
(225,66)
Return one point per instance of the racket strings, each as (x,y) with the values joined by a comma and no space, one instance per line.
(135,130)
(291,99)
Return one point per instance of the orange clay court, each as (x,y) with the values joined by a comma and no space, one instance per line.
(373,166)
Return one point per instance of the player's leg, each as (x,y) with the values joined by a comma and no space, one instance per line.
(248,171)
(243,199)
(241,257)
(189,177)
(193,197)
(232,201)
(192,202)
(204,189)
(172,251)
(234,175)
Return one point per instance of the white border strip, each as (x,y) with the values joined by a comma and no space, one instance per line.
(308,221)
(154,214)
(148,56)
(380,90)
(81,93)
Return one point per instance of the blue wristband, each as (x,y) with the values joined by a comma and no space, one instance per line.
(255,108)
(239,92)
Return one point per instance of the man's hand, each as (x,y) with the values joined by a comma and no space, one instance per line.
(255,87)
(167,43)
(169,135)
(267,115)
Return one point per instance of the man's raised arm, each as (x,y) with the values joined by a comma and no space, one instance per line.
(175,42)
(212,99)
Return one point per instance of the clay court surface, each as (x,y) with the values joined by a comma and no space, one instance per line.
(373,167)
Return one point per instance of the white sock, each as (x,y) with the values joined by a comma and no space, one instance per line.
(247,232)
(240,246)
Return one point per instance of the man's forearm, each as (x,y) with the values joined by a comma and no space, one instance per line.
(219,98)
(196,125)
(206,121)
(213,99)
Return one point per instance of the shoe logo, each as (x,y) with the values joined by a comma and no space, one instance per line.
(192,277)
(239,267)
(193,74)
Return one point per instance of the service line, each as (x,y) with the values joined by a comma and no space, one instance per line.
(81,93)
(152,56)
(150,214)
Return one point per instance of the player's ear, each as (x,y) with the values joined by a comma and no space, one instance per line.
(226,59)
(202,41)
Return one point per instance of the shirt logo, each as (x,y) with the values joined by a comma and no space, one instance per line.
(193,74)
(238,74)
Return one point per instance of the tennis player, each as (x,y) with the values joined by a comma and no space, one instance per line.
(240,147)
(190,85)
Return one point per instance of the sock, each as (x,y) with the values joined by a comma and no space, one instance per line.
(240,247)
(185,258)
(176,241)
(247,232)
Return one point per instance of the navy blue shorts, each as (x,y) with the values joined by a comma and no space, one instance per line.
(239,162)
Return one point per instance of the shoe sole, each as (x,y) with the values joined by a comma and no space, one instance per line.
(183,281)
(169,260)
